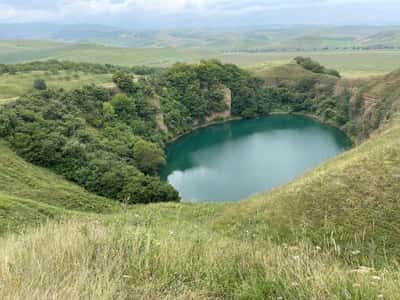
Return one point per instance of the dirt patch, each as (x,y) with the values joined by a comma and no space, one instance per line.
(160,116)
(228,102)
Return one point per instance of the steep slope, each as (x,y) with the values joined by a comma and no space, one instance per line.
(31,195)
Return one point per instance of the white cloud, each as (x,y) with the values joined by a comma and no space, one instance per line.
(100,10)
(12,14)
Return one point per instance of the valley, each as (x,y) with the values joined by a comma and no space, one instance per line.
(199,150)
(84,213)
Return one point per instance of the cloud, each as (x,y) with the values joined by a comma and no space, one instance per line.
(113,11)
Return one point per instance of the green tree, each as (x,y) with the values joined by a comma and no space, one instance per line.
(146,189)
(40,84)
(149,157)
(124,106)
(124,81)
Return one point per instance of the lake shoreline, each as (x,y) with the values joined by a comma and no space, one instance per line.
(233,161)
(231,119)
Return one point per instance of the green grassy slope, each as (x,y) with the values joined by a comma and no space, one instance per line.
(288,74)
(27,50)
(30,195)
(16,85)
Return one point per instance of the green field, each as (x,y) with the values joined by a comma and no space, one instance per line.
(350,63)
(12,86)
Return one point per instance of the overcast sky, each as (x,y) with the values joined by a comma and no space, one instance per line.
(185,13)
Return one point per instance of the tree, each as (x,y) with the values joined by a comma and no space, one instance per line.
(148,156)
(124,81)
(108,111)
(40,84)
(124,106)
(146,189)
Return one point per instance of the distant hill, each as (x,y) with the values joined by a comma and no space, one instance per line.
(256,39)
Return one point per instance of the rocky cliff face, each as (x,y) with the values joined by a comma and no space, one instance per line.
(228,102)
(160,116)
(214,117)
(374,103)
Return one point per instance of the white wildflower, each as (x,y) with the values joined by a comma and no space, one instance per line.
(376,278)
(363,270)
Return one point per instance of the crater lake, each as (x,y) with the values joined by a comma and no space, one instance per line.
(237,159)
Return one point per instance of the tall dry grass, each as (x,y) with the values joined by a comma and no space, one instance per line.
(90,260)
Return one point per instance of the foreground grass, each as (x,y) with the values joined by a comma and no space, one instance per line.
(91,260)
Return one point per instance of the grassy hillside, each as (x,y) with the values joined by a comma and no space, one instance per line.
(331,234)
(12,86)
(31,195)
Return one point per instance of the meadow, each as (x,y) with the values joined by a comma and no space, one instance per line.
(14,85)
(350,63)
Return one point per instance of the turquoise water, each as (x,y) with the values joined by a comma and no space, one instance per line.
(232,161)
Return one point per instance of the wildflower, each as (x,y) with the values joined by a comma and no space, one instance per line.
(318,248)
(279,298)
(356,252)
(296,258)
(171,232)
(380,296)
(363,270)
(376,278)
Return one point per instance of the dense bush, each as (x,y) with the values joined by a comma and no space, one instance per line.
(54,66)
(40,84)
(192,93)
(313,66)
(91,138)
